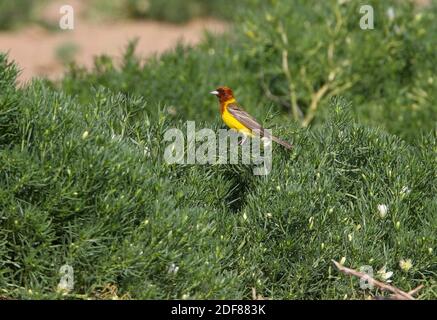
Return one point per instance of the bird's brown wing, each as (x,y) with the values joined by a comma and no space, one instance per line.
(250,122)
(246,119)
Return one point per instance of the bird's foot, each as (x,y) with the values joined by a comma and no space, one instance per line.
(243,140)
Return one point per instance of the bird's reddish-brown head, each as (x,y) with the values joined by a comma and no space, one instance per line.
(224,94)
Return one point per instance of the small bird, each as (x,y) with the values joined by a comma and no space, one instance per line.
(238,119)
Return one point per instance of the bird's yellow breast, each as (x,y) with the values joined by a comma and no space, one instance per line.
(233,123)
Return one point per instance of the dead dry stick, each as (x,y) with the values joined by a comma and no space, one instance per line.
(397,293)
(395,297)
(314,104)
(257,296)
(254,296)
(416,290)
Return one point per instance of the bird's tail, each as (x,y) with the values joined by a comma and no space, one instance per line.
(267,134)
(282,143)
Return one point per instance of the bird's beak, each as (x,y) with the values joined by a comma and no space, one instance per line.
(215,92)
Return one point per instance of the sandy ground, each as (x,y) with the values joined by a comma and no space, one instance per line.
(36,50)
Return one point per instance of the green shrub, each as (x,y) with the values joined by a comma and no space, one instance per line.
(85,184)
(164,80)
(14,12)
(174,10)
(322,204)
(388,73)
(66,52)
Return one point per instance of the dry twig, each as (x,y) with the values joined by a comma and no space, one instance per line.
(396,293)
(287,73)
(257,296)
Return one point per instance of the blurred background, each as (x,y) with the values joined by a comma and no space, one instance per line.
(29,30)
(291,57)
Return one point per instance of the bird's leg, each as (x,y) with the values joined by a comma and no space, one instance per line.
(243,140)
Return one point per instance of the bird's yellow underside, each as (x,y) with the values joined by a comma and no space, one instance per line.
(233,123)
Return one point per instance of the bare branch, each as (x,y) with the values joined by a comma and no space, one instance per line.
(257,296)
(270,95)
(416,290)
(397,293)
(315,99)
(287,73)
